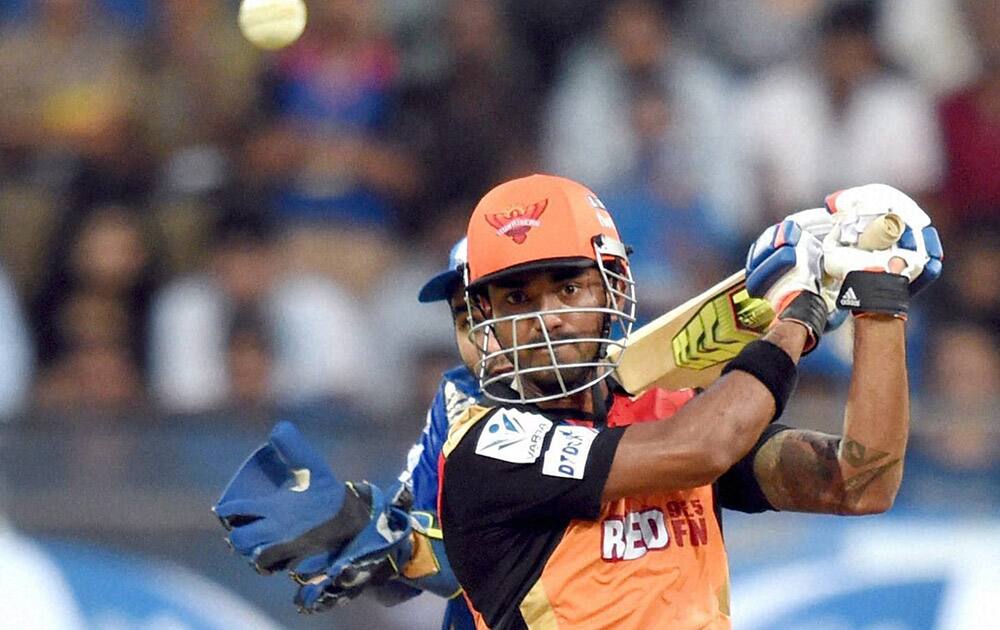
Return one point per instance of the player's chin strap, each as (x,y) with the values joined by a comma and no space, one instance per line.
(599,399)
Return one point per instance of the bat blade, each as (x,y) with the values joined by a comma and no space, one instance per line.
(689,346)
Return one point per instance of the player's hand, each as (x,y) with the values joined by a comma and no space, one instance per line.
(285,504)
(819,223)
(784,266)
(375,556)
(881,280)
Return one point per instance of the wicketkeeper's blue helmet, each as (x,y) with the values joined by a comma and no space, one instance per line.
(441,286)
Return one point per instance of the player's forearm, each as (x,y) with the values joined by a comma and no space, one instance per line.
(706,437)
(876,421)
(859,471)
(790,337)
(742,405)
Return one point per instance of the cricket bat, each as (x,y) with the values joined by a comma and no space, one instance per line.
(689,345)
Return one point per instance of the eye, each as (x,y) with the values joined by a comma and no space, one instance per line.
(571,288)
(516,297)
(462,322)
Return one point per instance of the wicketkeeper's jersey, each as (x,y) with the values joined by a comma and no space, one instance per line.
(458,390)
(534,546)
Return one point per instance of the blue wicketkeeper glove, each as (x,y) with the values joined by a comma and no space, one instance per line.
(373,558)
(284,504)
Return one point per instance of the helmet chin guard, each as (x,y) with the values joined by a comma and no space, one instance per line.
(502,377)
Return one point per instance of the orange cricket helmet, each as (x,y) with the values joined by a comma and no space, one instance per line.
(538,222)
(532,220)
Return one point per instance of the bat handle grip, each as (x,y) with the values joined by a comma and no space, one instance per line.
(882,233)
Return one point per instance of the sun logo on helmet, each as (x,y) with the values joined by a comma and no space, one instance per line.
(517,221)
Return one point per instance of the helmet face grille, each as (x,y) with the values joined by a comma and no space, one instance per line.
(502,377)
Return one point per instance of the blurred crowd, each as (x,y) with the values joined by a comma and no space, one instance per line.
(188,224)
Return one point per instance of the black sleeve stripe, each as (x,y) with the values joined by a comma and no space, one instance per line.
(738,488)
(602,455)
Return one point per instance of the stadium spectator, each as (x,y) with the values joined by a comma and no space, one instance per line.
(70,86)
(588,134)
(90,313)
(412,336)
(331,100)
(199,92)
(954,463)
(64,68)
(660,211)
(970,121)
(930,41)
(316,330)
(99,378)
(551,29)
(838,116)
(326,157)
(967,295)
(250,358)
(475,123)
(753,34)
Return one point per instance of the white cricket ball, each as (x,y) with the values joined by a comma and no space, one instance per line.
(272,24)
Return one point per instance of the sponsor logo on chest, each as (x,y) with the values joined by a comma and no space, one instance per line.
(513,436)
(568,451)
(636,533)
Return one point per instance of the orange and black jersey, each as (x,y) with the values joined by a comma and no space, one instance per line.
(534,547)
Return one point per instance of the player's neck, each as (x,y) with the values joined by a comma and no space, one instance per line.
(584,401)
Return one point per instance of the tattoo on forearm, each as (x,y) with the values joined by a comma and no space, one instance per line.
(804,472)
(857,454)
(855,485)
(802,463)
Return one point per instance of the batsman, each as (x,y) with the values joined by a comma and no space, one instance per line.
(565,502)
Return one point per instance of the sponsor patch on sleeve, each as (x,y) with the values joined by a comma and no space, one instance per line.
(513,436)
(568,451)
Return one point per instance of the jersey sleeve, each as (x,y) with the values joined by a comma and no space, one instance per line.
(738,487)
(520,467)
(421,474)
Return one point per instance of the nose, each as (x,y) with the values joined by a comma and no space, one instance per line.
(552,321)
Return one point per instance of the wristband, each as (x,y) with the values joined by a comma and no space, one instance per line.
(770,365)
(808,309)
(875,292)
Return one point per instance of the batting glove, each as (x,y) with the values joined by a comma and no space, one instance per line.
(784,266)
(880,281)
(819,223)
(285,504)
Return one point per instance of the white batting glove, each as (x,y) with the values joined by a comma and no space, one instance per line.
(784,267)
(906,267)
(819,223)
(816,221)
